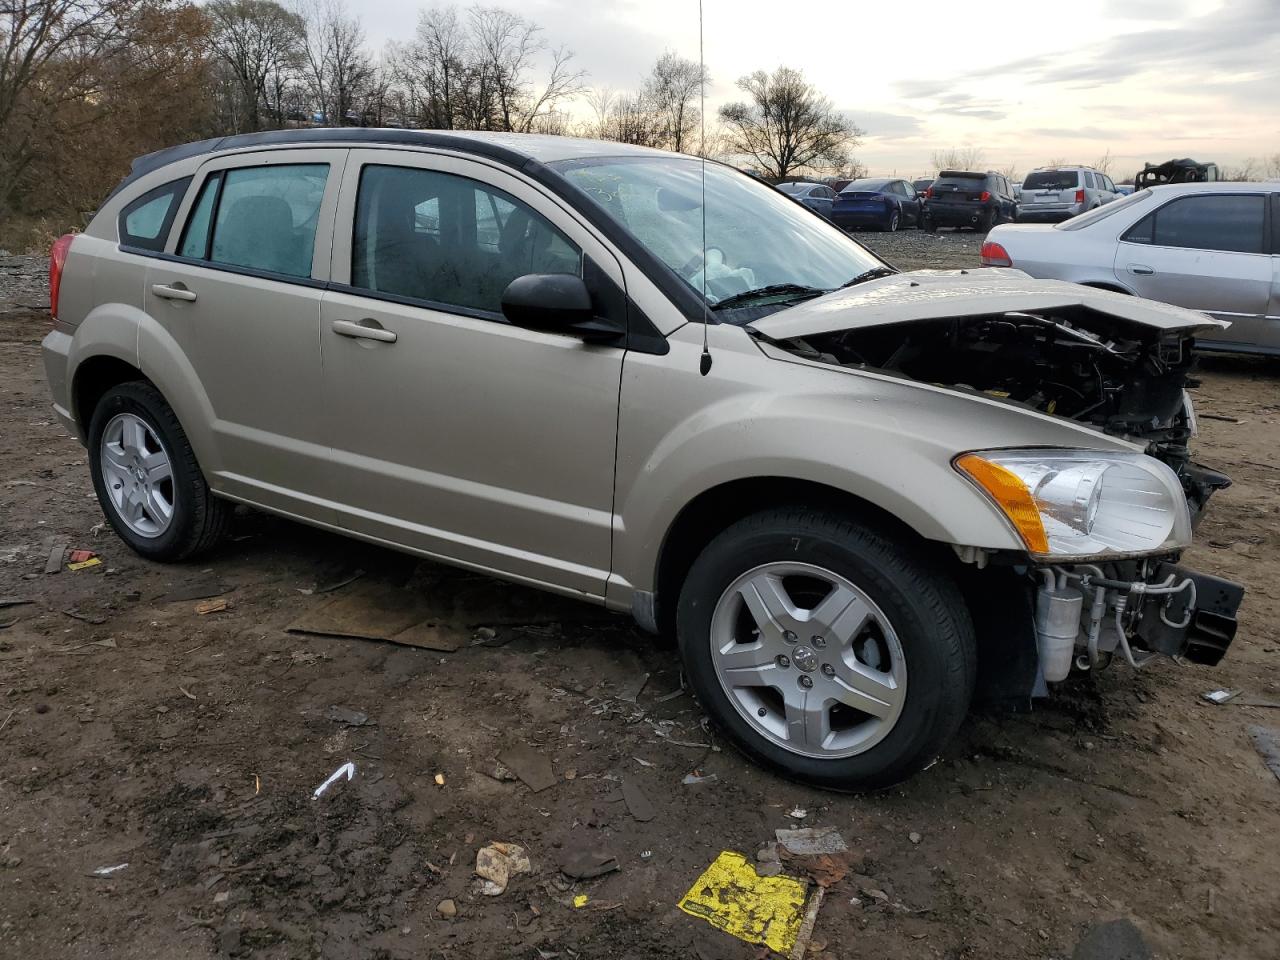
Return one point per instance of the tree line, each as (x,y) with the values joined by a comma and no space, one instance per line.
(88,85)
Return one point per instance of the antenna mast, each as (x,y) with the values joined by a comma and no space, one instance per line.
(704,363)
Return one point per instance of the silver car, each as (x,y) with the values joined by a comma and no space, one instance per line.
(855,496)
(1211,247)
(1053,194)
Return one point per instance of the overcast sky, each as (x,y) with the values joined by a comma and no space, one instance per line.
(1028,82)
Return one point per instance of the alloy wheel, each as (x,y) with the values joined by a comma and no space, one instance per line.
(808,660)
(138,475)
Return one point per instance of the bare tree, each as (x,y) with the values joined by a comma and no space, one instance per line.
(1104,163)
(260,44)
(957,158)
(504,47)
(337,65)
(787,125)
(672,91)
(1247,170)
(433,67)
(1273,166)
(1010,172)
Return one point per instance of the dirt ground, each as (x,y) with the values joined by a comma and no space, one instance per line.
(136,731)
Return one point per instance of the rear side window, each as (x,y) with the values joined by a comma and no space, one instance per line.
(1228,222)
(261,218)
(447,239)
(1051,180)
(145,223)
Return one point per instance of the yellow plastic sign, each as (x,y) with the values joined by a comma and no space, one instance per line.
(732,897)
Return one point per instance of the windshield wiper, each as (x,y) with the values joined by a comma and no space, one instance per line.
(874,273)
(797,291)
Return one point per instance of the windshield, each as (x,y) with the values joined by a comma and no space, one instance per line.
(1051,180)
(864,185)
(796,188)
(1104,211)
(756,238)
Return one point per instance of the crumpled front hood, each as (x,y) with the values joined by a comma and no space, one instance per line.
(939,294)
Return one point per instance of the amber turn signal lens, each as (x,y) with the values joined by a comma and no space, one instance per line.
(1010,495)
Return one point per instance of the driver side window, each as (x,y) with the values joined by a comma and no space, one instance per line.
(446,239)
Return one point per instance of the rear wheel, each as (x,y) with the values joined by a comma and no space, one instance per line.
(827,649)
(989,219)
(895,221)
(147,479)
(927,224)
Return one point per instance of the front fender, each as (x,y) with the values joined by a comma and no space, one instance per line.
(887,441)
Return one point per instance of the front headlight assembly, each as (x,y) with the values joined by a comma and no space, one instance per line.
(1083,504)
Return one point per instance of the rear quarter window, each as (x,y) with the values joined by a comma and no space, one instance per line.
(144,224)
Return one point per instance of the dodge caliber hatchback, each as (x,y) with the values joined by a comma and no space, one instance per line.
(855,496)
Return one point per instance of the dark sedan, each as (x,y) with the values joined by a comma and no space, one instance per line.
(817,197)
(887,204)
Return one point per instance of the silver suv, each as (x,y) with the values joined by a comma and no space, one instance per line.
(1052,194)
(855,495)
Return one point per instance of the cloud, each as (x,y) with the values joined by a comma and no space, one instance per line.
(881,125)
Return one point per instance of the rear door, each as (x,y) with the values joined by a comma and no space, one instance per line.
(454,432)
(1208,252)
(239,289)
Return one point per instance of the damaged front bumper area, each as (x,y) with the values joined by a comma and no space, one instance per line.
(1085,614)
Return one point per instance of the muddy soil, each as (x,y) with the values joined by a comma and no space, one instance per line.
(134,730)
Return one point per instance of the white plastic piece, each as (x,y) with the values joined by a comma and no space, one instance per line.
(347,770)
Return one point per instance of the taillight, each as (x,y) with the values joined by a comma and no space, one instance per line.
(984,196)
(994,255)
(57,259)
(928,193)
(1079,196)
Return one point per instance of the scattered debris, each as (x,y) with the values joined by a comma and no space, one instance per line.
(84,564)
(216,605)
(439,779)
(347,770)
(630,693)
(732,897)
(342,581)
(644,763)
(580,901)
(797,813)
(7,719)
(696,777)
(807,925)
(186,693)
(373,611)
(1266,740)
(637,803)
(79,556)
(92,618)
(587,864)
(14,602)
(812,841)
(646,854)
(196,590)
(1219,416)
(529,765)
(1220,696)
(1112,940)
(56,554)
(447,908)
(108,642)
(348,717)
(667,697)
(914,837)
(108,871)
(497,863)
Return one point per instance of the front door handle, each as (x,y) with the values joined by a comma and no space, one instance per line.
(1140,269)
(364,330)
(178,292)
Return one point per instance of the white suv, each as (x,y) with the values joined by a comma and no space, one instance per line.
(1050,194)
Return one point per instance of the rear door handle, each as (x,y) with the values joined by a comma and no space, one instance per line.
(172,293)
(1140,269)
(364,330)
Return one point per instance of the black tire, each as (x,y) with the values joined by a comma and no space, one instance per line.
(895,221)
(989,219)
(915,592)
(927,224)
(200,520)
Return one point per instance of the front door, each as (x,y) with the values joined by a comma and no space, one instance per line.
(1206,252)
(240,293)
(453,432)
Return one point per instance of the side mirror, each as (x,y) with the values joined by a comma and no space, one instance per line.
(557,302)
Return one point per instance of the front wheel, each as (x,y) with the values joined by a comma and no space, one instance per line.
(147,478)
(827,649)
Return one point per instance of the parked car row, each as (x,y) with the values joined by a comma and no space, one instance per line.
(957,198)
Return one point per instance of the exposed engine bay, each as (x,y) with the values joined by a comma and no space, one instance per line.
(1124,378)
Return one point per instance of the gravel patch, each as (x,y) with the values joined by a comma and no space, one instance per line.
(917,250)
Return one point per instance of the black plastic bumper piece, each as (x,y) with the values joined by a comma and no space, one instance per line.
(1209,629)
